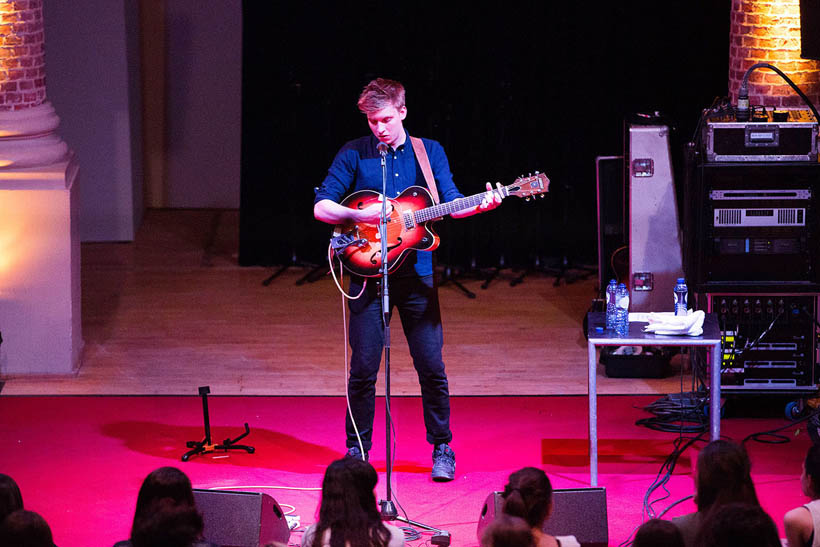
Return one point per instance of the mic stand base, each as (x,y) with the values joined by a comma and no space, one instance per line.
(388,512)
(494,272)
(316,272)
(448,276)
(566,270)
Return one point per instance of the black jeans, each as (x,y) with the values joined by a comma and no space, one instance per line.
(417,301)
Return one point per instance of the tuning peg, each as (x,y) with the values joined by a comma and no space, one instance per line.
(538,172)
(542,196)
(527,198)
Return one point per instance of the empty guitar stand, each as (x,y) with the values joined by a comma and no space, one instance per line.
(206,445)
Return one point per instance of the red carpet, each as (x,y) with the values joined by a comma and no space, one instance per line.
(80,460)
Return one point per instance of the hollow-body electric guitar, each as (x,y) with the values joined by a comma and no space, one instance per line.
(409,226)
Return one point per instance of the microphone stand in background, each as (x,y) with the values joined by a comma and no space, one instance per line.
(315,271)
(567,268)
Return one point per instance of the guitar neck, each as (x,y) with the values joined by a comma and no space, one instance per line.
(459,204)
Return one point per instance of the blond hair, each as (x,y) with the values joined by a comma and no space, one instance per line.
(381,93)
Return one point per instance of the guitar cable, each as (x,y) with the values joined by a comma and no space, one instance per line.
(341,276)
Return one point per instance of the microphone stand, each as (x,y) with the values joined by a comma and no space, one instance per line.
(387,507)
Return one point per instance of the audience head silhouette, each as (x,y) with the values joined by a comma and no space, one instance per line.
(508,531)
(165,482)
(528,494)
(810,478)
(658,533)
(348,507)
(738,524)
(25,529)
(167,524)
(800,523)
(723,475)
(162,488)
(10,498)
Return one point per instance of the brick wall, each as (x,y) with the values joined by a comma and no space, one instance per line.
(22,54)
(769,31)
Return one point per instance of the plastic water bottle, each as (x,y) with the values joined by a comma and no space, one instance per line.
(681,297)
(622,311)
(610,304)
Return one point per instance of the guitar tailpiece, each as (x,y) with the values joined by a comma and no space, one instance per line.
(342,241)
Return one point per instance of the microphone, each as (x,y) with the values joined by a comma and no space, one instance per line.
(382,148)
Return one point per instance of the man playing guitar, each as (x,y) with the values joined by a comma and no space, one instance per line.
(357,166)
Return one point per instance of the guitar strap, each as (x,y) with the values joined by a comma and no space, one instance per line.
(424,163)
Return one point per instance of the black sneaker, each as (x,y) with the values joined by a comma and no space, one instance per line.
(444,463)
(355,452)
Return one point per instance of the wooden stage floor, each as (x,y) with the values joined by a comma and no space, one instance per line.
(173,311)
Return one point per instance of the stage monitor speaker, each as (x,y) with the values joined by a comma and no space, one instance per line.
(579,512)
(241,519)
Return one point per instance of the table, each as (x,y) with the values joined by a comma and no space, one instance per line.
(711,337)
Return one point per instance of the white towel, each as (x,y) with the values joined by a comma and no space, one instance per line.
(671,324)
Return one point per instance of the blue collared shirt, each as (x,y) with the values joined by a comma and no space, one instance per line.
(357,166)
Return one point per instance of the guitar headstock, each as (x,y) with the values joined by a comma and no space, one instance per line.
(530,186)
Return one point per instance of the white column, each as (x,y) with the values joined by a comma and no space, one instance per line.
(39,240)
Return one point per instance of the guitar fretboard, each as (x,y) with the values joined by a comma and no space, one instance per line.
(438,211)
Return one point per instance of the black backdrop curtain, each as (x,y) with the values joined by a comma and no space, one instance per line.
(508,88)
